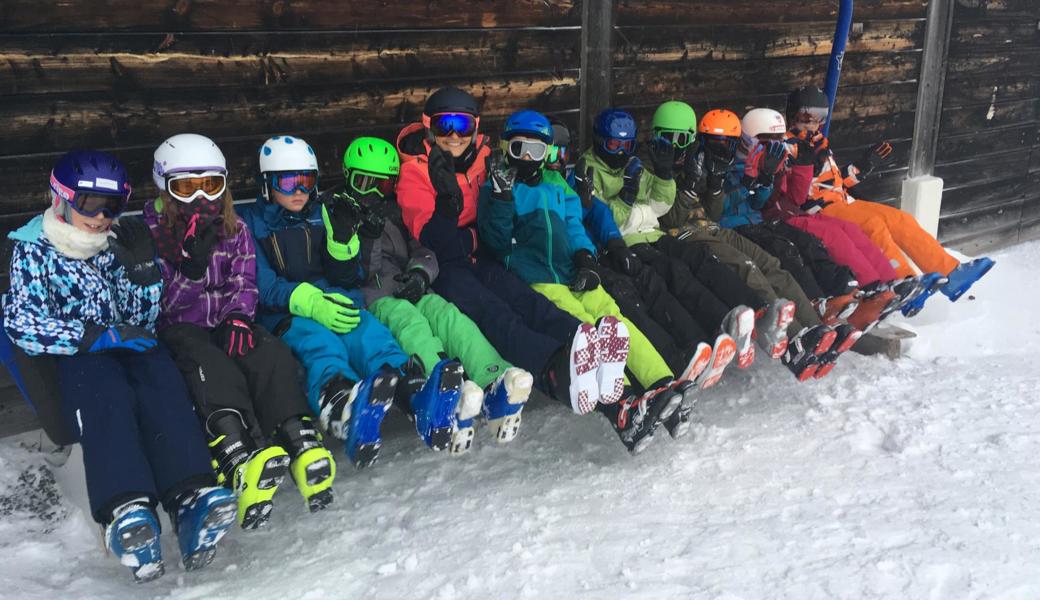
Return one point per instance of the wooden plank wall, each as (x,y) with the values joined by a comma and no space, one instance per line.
(124,75)
(989,139)
(741,54)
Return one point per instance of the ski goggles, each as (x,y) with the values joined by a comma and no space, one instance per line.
(812,115)
(186,187)
(91,204)
(519,148)
(618,146)
(679,139)
(367,183)
(720,145)
(290,182)
(445,124)
(557,154)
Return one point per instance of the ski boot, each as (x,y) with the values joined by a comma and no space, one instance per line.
(612,345)
(964,276)
(635,419)
(698,363)
(835,309)
(572,374)
(470,399)
(504,401)
(434,405)
(312,466)
(253,473)
(845,337)
(133,537)
(771,326)
(927,285)
(802,356)
(201,518)
(354,412)
(721,355)
(739,323)
(678,424)
(872,306)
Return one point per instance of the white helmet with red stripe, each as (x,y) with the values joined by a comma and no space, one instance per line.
(762,120)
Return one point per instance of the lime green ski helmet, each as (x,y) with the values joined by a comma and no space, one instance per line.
(371,164)
(678,117)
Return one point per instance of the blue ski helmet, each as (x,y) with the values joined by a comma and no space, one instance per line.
(82,173)
(614,123)
(528,122)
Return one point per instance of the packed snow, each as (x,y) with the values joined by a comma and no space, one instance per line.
(913,478)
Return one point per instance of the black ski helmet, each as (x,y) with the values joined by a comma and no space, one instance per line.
(450,99)
(808,96)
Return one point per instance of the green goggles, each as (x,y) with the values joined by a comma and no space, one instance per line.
(679,139)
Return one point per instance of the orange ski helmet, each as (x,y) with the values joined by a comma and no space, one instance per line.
(720,122)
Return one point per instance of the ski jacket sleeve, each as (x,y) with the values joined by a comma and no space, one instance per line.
(658,193)
(139,304)
(28,308)
(237,285)
(495,221)
(576,233)
(273,289)
(599,223)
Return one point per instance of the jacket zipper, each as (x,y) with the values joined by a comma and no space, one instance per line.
(278,253)
(548,241)
(307,235)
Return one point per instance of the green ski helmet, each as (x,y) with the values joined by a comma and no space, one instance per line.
(371,165)
(676,122)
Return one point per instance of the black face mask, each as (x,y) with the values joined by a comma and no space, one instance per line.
(464,162)
(528,172)
(614,161)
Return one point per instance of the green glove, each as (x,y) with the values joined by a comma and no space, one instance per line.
(341,224)
(334,311)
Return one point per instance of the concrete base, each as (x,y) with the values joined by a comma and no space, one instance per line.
(887,341)
(922,198)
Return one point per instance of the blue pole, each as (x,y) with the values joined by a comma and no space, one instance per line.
(841,36)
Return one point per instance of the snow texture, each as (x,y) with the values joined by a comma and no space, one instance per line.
(908,479)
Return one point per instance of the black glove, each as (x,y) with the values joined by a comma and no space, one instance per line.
(878,155)
(583,178)
(662,157)
(501,176)
(236,334)
(630,180)
(583,259)
(815,206)
(344,217)
(196,247)
(134,248)
(373,216)
(585,280)
(117,338)
(622,257)
(693,170)
(414,284)
(442,176)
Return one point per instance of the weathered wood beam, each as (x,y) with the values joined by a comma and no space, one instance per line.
(930,88)
(597,34)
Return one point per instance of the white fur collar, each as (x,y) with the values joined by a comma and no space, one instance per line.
(71,241)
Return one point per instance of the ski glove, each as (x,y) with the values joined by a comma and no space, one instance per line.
(585,281)
(197,246)
(236,334)
(125,338)
(693,171)
(134,248)
(501,176)
(876,156)
(814,206)
(622,257)
(441,168)
(414,285)
(662,157)
(334,311)
(763,161)
(373,215)
(633,173)
(802,152)
(583,178)
(342,217)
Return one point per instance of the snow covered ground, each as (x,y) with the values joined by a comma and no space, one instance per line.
(908,479)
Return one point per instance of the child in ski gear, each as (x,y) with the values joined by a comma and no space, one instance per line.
(897,233)
(443,167)
(703,178)
(309,277)
(398,274)
(84,299)
(531,220)
(243,379)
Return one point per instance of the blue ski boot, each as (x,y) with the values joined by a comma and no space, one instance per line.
(965,275)
(133,537)
(504,401)
(927,285)
(434,405)
(354,413)
(203,517)
(470,399)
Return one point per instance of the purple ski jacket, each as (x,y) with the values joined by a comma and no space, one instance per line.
(229,285)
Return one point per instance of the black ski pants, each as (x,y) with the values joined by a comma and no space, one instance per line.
(803,255)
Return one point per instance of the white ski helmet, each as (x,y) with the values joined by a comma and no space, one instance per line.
(186,152)
(762,120)
(287,153)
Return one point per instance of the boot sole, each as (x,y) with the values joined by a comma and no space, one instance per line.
(451,379)
(723,354)
(956,295)
(135,538)
(613,344)
(364,439)
(584,369)
(214,526)
(255,514)
(318,474)
(698,363)
(742,330)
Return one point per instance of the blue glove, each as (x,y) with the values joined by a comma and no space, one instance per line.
(630,180)
(117,338)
